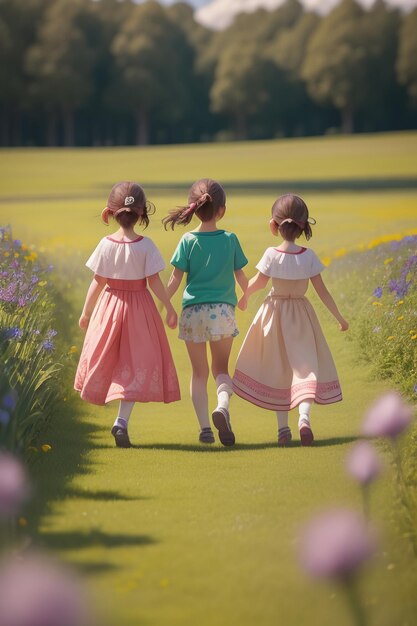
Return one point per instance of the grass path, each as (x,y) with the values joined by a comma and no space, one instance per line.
(171,533)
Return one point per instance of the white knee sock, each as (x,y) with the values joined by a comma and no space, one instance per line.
(224,391)
(282,417)
(198,391)
(125,411)
(304,409)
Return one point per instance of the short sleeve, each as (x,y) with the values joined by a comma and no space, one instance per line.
(180,256)
(240,259)
(316,265)
(97,260)
(154,262)
(264,265)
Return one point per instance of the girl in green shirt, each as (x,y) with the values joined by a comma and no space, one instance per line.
(212,260)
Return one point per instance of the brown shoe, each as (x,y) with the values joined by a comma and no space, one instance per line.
(221,420)
(284,436)
(306,436)
(121,437)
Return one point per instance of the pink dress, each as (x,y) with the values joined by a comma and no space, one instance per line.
(126,355)
(285,358)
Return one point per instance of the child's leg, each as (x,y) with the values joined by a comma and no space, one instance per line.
(198,386)
(284,431)
(220,352)
(119,430)
(306,434)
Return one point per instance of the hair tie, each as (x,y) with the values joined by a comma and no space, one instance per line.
(290,220)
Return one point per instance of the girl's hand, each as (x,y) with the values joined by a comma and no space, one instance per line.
(83,322)
(171,318)
(243,303)
(343,324)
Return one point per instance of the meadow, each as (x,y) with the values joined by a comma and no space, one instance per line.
(170,532)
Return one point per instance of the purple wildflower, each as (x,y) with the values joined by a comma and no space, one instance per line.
(14,488)
(9,400)
(363,463)
(4,417)
(13,333)
(335,544)
(378,292)
(48,345)
(51,333)
(51,594)
(34,279)
(389,416)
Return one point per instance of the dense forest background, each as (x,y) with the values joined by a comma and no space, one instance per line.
(114,72)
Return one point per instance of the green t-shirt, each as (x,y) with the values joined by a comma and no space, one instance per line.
(210,260)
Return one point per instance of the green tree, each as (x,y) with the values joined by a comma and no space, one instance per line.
(407,55)
(241,85)
(335,63)
(60,65)
(150,53)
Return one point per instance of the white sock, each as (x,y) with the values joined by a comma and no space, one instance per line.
(198,391)
(304,409)
(282,417)
(124,413)
(224,391)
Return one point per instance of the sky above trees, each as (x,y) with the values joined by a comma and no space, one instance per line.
(219,14)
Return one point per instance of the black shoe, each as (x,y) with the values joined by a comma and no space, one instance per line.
(206,436)
(221,420)
(121,437)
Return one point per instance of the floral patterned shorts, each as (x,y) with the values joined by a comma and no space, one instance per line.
(207,322)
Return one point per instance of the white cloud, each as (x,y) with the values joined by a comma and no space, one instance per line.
(219,14)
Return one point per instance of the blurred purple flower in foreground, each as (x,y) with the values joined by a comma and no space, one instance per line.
(335,544)
(14,486)
(389,416)
(363,462)
(35,591)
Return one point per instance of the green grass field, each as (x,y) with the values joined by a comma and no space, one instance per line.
(170,533)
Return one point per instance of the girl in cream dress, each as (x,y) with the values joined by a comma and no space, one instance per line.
(285,361)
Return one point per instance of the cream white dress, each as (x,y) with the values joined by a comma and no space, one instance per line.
(285,358)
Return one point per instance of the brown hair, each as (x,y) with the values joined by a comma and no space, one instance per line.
(290,214)
(205,198)
(127,204)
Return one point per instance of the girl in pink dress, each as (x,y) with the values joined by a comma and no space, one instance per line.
(126,355)
(285,361)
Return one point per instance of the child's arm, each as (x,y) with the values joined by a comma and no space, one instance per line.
(328,301)
(159,290)
(94,290)
(256,283)
(174,281)
(241,279)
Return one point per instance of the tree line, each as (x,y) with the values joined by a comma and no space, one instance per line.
(114,72)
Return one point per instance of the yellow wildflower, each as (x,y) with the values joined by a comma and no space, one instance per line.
(73,350)
(24,246)
(412,332)
(6,254)
(46,447)
(400,302)
(326,260)
(42,283)
(401,317)
(376,303)
(16,255)
(413,337)
(390,260)
(391,337)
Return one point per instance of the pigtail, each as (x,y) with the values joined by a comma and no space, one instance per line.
(148,209)
(105,214)
(184,215)
(181,215)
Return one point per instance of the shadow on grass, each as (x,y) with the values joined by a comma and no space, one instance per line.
(77,540)
(73,492)
(214,449)
(71,437)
